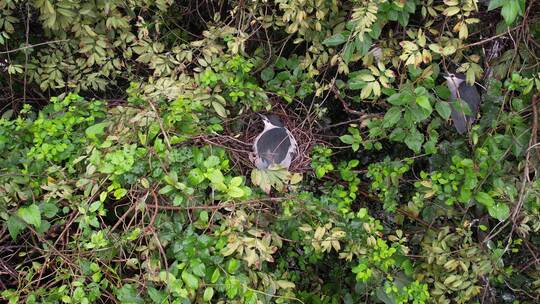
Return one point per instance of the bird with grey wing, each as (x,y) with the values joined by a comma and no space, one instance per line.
(275,145)
(462,96)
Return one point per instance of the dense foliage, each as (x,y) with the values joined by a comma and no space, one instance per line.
(126,129)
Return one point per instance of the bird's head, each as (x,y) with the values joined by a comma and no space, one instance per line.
(454,78)
(271,120)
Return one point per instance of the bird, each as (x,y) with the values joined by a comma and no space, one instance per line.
(275,145)
(461,91)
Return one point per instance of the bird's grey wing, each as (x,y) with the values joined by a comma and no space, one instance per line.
(472,97)
(266,128)
(273,145)
(294,144)
(255,142)
(458,115)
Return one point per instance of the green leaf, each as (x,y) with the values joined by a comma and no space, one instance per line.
(363,212)
(414,140)
(398,134)
(198,267)
(190,280)
(15,226)
(236,181)
(285,284)
(392,116)
(423,101)
(485,199)
(444,109)
(93,131)
(346,139)
(493,4)
(119,193)
(335,40)
(157,296)
(48,210)
(235,192)
(166,189)
(127,294)
(356,84)
(267,74)
(31,215)
(348,52)
(510,11)
(215,176)
(195,176)
(208,294)
(400,99)
(211,161)
(233,265)
(500,211)
(215,276)
(220,110)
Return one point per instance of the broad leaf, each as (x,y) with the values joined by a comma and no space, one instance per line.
(31,215)
(443,108)
(335,40)
(500,211)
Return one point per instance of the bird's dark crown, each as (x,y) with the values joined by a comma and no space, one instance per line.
(456,75)
(273,119)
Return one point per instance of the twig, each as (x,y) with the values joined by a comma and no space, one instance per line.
(219,206)
(344,103)
(161,125)
(26,53)
(491,38)
(156,204)
(534,131)
(33,46)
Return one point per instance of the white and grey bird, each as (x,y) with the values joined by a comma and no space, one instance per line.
(460,93)
(275,145)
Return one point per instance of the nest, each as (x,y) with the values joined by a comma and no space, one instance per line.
(240,133)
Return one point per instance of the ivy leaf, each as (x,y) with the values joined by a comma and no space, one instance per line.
(31,215)
(499,211)
(335,40)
